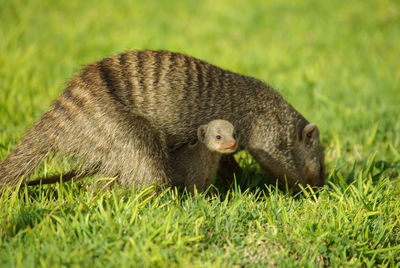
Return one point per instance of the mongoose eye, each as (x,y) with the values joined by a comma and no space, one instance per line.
(218,137)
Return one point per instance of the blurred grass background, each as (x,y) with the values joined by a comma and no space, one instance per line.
(337,62)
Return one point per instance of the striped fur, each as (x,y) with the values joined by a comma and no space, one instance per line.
(122,115)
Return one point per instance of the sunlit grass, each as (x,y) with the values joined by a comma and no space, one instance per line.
(336,62)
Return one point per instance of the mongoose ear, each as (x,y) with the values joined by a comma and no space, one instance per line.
(310,131)
(201,132)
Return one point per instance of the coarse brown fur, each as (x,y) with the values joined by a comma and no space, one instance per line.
(121,115)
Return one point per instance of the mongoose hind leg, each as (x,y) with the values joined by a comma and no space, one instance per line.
(142,159)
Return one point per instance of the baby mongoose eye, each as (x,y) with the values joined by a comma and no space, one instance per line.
(218,137)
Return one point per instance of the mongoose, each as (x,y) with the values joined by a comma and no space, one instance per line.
(196,164)
(192,165)
(119,116)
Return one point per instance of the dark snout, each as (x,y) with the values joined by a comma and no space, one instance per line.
(315,179)
(312,174)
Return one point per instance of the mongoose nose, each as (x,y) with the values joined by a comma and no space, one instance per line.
(233,144)
(315,181)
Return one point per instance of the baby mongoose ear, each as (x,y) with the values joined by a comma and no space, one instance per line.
(201,132)
(310,131)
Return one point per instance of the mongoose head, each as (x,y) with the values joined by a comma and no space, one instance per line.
(219,136)
(288,148)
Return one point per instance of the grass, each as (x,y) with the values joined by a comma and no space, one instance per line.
(335,61)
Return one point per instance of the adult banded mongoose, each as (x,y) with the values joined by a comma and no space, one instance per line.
(119,116)
(196,164)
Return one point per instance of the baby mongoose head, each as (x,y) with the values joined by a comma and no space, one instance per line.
(219,136)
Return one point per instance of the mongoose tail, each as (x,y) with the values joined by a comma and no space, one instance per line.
(28,154)
(68,176)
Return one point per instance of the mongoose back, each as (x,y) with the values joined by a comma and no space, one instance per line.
(196,164)
(119,116)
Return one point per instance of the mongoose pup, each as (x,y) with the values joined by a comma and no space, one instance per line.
(121,115)
(196,164)
(192,165)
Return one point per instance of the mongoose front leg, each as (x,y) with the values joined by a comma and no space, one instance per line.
(228,170)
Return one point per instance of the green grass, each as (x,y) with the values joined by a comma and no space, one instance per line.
(337,62)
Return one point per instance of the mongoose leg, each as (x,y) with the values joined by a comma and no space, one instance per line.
(143,161)
(228,170)
(199,184)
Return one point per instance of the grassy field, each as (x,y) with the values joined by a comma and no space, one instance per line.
(337,62)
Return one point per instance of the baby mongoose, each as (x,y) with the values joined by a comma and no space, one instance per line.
(120,117)
(196,164)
